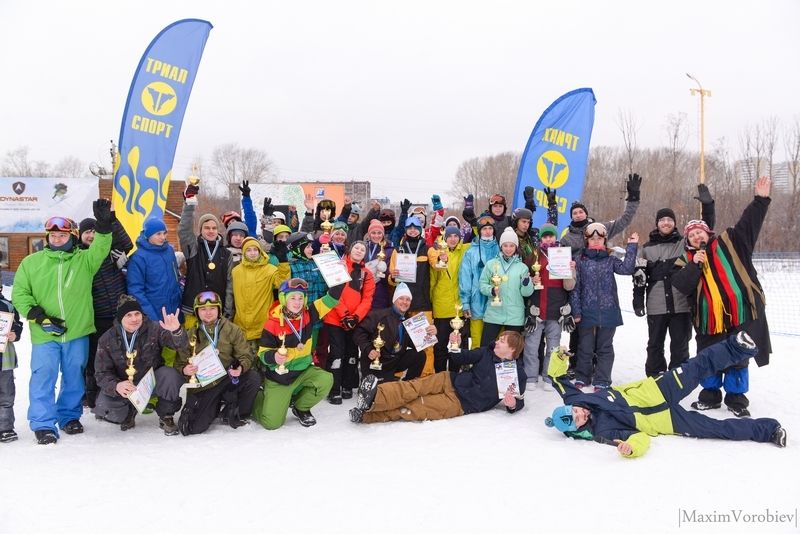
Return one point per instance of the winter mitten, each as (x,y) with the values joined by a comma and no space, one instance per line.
(191,191)
(436,201)
(639,278)
(280,250)
(469,202)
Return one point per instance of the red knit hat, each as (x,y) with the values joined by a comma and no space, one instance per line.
(695,224)
(375,224)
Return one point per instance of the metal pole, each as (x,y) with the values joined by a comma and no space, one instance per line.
(703,93)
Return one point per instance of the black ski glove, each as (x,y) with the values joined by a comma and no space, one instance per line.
(245,188)
(52,325)
(267,211)
(280,250)
(551,196)
(405,205)
(103,214)
(703,194)
(633,185)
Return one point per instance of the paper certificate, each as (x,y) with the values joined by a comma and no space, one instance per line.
(331,268)
(209,368)
(6,321)
(507,377)
(558,260)
(407,265)
(415,328)
(144,390)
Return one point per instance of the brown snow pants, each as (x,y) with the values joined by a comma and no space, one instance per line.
(422,399)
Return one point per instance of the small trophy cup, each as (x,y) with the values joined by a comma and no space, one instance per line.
(496,281)
(536,268)
(193,179)
(282,370)
(381,267)
(326,226)
(131,370)
(457,324)
(378,343)
(193,343)
(442,246)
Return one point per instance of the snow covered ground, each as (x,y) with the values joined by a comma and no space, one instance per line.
(479,473)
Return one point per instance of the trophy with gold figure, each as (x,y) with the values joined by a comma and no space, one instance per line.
(131,370)
(325,238)
(193,343)
(194,180)
(283,351)
(380,269)
(378,343)
(442,246)
(496,281)
(536,268)
(457,323)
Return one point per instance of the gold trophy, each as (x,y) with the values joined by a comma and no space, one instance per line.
(380,269)
(378,343)
(193,179)
(131,370)
(326,226)
(442,246)
(282,370)
(536,268)
(457,324)
(496,281)
(193,343)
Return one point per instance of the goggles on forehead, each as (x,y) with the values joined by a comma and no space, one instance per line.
(207,298)
(485,221)
(61,224)
(297,283)
(497,199)
(595,229)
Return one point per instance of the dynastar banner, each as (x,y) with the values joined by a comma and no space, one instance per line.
(557,154)
(152,121)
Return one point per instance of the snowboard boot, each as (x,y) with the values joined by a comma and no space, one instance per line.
(130,419)
(46,437)
(744,340)
(7,436)
(779,437)
(73,427)
(702,406)
(167,424)
(347,393)
(356,415)
(305,418)
(739,411)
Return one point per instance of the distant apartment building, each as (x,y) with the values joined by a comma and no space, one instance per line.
(748,170)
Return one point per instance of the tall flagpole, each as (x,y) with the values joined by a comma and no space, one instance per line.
(703,93)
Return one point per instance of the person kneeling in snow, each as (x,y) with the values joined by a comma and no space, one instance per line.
(447,394)
(626,416)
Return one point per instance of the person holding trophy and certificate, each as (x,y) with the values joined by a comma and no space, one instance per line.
(385,346)
(135,340)
(292,379)
(507,282)
(224,369)
(445,263)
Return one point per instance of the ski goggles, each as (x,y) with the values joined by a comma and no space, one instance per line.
(497,199)
(485,221)
(207,298)
(294,284)
(595,229)
(61,224)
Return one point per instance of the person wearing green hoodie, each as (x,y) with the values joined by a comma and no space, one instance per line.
(53,290)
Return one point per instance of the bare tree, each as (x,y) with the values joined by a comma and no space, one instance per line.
(792,147)
(230,164)
(70,167)
(486,176)
(16,163)
(628,128)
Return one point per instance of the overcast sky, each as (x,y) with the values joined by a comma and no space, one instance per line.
(397,92)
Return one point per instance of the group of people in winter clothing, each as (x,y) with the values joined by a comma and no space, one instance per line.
(283,340)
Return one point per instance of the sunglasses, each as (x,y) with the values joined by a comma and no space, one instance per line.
(60,224)
(206,298)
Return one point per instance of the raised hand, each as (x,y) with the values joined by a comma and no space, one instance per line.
(703,194)
(267,210)
(763,186)
(102,212)
(633,185)
(170,320)
(245,188)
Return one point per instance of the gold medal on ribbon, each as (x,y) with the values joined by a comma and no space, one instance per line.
(212,265)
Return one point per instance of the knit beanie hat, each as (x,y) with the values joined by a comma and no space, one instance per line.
(401,291)
(126,304)
(578,205)
(152,226)
(208,217)
(522,213)
(692,225)
(562,419)
(546,229)
(509,236)
(280,229)
(386,215)
(86,224)
(374,224)
(665,212)
(452,230)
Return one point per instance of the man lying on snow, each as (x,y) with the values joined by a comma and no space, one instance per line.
(626,416)
(449,394)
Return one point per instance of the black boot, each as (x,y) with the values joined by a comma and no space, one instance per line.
(73,427)
(366,392)
(130,419)
(167,424)
(779,437)
(305,418)
(45,437)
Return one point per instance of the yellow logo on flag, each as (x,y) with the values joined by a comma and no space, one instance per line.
(552,169)
(159,98)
